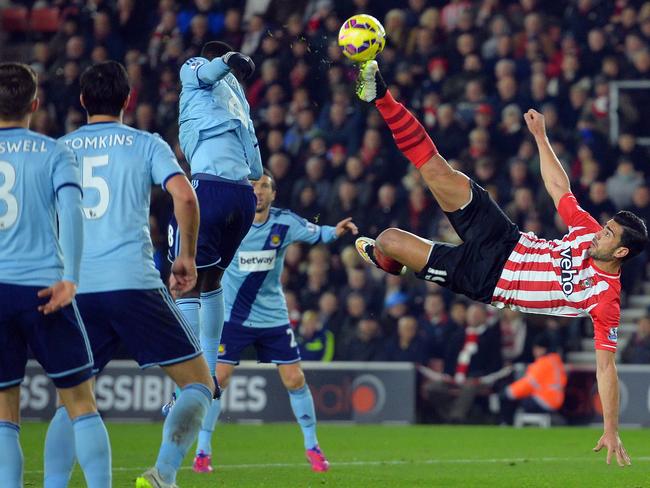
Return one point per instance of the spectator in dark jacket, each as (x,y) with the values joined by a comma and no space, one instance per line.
(365,345)
(637,350)
(472,353)
(405,345)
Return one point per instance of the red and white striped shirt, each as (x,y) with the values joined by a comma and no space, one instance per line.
(559,277)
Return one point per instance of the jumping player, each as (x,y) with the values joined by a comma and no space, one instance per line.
(575,276)
(121,294)
(39,181)
(218,138)
(257,313)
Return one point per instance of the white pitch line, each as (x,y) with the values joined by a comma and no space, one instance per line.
(384,463)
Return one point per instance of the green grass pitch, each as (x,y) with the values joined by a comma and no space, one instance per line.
(376,456)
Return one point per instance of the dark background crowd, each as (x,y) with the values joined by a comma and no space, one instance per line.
(467,69)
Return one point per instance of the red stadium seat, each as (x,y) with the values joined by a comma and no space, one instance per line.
(14,19)
(45,19)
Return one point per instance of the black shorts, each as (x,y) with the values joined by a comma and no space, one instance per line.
(473,268)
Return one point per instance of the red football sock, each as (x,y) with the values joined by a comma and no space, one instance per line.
(387,263)
(409,135)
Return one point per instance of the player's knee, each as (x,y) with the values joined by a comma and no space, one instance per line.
(80,399)
(10,405)
(223,376)
(389,241)
(294,379)
(81,406)
(209,280)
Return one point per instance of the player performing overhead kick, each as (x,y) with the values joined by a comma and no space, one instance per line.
(218,139)
(256,313)
(575,276)
(121,296)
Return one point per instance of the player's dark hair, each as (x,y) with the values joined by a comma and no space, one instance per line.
(268,173)
(105,88)
(214,49)
(17,90)
(635,233)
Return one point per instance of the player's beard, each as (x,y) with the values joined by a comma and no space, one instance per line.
(600,255)
(262,208)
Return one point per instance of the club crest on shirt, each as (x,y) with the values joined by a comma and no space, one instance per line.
(275,240)
(613,334)
(194,64)
(587,283)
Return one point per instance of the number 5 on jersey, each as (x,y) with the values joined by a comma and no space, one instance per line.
(88,180)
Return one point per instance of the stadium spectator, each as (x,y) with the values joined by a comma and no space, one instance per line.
(436,324)
(621,185)
(386,212)
(541,389)
(637,349)
(396,306)
(365,345)
(471,353)
(405,344)
(513,336)
(598,203)
(316,343)
(449,132)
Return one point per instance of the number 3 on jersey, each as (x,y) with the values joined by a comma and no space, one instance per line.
(7,199)
(88,180)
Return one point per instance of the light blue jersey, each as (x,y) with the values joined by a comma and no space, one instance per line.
(118,166)
(33,168)
(252,290)
(216,132)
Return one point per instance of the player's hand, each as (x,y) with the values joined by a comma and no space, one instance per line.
(345,226)
(61,294)
(613,443)
(535,122)
(239,63)
(183,276)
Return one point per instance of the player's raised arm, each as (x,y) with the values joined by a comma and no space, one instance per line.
(555,178)
(608,391)
(186,211)
(209,70)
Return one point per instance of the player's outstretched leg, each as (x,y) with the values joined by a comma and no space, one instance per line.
(183,422)
(203,458)
(302,405)
(59,455)
(451,188)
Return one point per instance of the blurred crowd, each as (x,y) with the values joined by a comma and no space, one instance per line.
(468,69)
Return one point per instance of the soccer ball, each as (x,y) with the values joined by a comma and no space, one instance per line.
(362,37)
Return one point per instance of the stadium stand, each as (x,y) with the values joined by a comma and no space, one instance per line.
(467,69)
